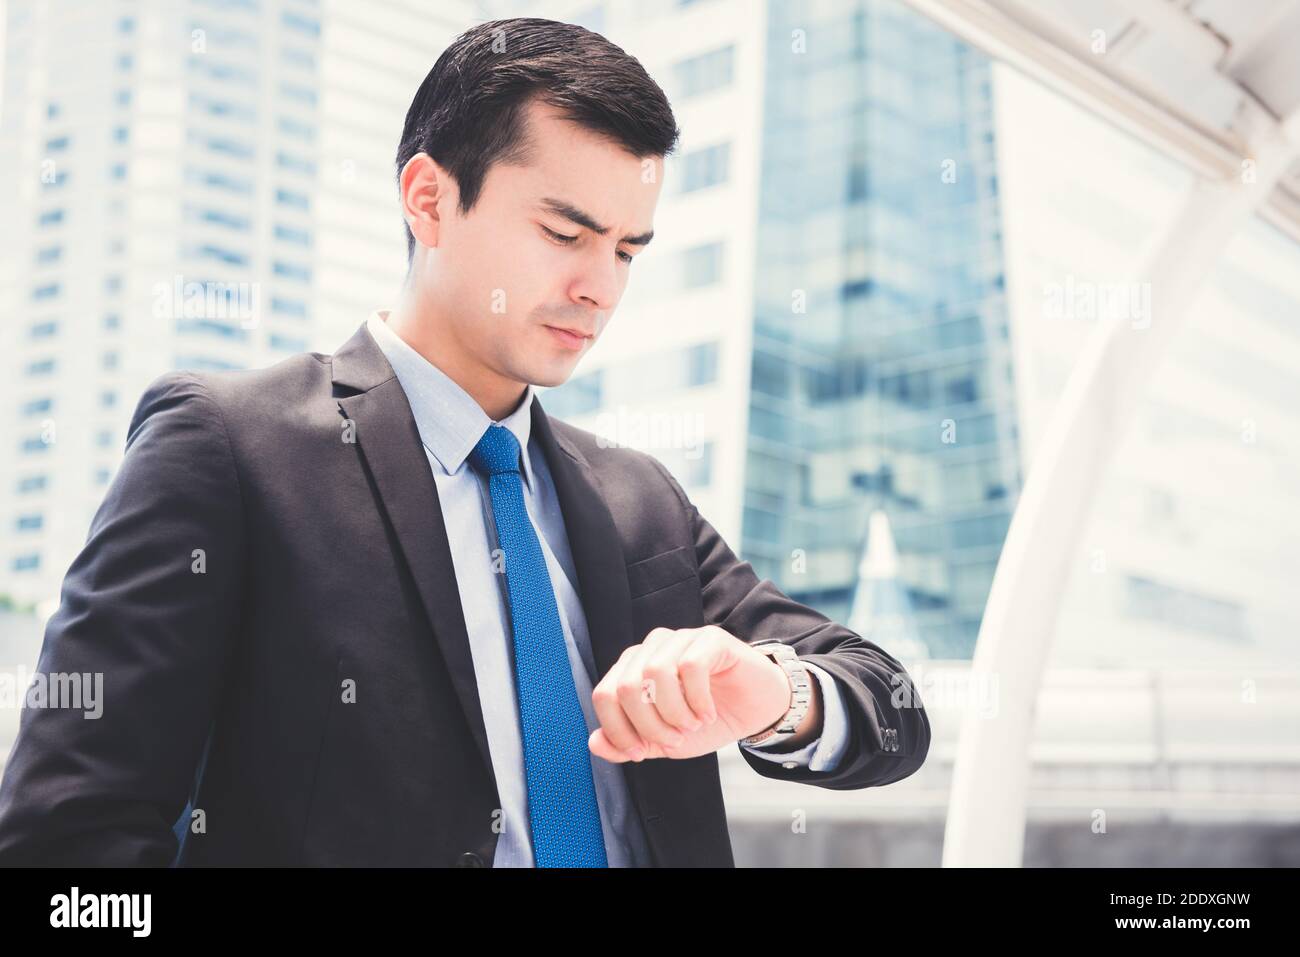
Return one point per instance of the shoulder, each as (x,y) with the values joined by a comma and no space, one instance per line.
(242,398)
(248,391)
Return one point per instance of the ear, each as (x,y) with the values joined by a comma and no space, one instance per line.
(426,190)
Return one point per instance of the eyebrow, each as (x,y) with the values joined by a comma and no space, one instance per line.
(574,215)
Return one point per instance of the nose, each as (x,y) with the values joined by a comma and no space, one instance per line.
(598,283)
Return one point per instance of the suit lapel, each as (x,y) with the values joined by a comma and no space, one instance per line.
(593,541)
(390,443)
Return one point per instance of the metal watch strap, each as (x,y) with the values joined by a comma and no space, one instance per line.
(800,693)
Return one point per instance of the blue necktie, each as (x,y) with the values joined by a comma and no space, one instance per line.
(561,791)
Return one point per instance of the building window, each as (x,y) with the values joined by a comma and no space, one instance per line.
(702,265)
(706,72)
(296,163)
(296,21)
(702,364)
(290,307)
(300,93)
(227,256)
(291,270)
(289,198)
(706,167)
(27,563)
(203,362)
(233,184)
(296,128)
(32,483)
(297,57)
(226,147)
(220,217)
(37,406)
(223,108)
(212,327)
(288,343)
(290,235)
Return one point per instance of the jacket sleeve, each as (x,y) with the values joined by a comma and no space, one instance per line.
(888,729)
(147,613)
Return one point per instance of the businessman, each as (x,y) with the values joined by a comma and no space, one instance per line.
(378,608)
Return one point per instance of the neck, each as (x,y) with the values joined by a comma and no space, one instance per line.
(421,326)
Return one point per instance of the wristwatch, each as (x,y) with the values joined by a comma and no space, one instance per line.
(800,693)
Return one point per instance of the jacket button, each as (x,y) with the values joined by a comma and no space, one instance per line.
(468,859)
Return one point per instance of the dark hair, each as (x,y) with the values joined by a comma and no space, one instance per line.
(468,112)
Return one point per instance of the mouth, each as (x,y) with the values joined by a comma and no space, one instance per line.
(570,338)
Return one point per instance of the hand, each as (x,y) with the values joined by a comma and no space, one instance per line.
(685,692)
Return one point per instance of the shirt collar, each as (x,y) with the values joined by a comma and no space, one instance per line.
(449,420)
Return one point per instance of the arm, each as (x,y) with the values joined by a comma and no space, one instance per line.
(137,608)
(888,730)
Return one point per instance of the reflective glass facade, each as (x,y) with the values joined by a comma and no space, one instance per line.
(881,370)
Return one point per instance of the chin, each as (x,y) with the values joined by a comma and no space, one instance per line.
(553,374)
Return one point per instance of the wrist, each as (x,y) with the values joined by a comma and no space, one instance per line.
(795,719)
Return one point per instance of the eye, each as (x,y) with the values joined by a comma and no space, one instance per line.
(557,237)
(626,257)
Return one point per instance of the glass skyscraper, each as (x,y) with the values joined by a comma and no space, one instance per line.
(881,363)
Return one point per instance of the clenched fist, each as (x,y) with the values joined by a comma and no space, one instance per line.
(685,692)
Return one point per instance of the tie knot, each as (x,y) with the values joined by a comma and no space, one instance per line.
(497,451)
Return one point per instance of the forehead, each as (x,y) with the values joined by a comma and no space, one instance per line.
(587,170)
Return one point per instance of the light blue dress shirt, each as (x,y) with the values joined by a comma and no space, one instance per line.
(450,423)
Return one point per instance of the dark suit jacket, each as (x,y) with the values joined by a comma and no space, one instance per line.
(324,557)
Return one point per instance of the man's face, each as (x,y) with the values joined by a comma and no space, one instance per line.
(547,247)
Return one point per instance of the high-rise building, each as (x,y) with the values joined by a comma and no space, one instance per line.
(881,360)
(201,185)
